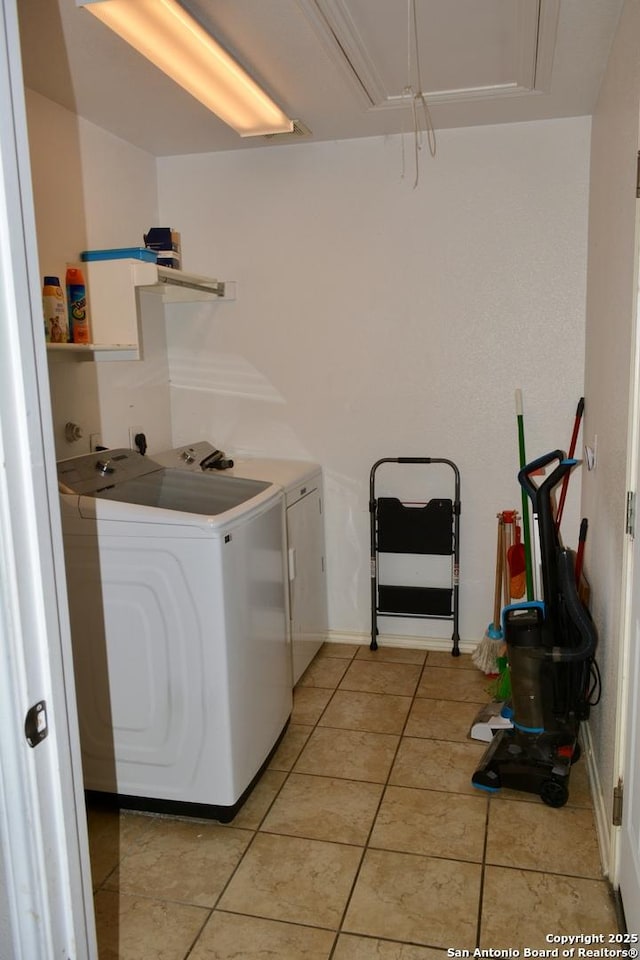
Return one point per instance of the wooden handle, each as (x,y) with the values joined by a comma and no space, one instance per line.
(506,584)
(499,568)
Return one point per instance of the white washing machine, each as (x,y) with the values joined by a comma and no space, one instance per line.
(302,484)
(177,593)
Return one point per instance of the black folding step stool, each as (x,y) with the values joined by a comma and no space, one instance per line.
(431,528)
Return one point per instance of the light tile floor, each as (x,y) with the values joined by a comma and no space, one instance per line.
(363,839)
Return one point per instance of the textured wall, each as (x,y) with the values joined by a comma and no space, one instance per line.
(94,191)
(377,320)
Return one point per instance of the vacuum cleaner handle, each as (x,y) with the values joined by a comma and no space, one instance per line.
(542,507)
(525,474)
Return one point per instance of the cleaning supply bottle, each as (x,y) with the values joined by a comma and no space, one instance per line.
(56,329)
(77,306)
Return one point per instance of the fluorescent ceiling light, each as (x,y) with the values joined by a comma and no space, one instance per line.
(169,37)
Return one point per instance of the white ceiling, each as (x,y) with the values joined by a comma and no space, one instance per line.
(340,66)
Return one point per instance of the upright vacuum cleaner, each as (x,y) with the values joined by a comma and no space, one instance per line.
(550,649)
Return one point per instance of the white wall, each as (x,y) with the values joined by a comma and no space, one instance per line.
(610,312)
(94,191)
(372,319)
(377,320)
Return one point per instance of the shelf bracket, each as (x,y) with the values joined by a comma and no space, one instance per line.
(216,287)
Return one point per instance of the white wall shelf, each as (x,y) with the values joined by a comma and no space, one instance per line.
(93,351)
(113,288)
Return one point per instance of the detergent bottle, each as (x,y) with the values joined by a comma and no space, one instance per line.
(77,306)
(56,329)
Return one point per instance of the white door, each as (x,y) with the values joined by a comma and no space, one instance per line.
(45,887)
(628,839)
(629,848)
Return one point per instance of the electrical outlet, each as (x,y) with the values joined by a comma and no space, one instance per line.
(95,441)
(133,433)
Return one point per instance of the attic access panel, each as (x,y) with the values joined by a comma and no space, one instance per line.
(468,50)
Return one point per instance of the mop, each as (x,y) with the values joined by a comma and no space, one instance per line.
(485,655)
(489,655)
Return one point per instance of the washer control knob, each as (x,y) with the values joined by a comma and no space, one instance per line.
(102,466)
(188,455)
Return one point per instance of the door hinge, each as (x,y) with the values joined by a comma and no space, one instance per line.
(638,176)
(630,527)
(617,804)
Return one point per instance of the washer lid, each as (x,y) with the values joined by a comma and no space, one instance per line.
(90,472)
(123,485)
(292,475)
(186,492)
(287,473)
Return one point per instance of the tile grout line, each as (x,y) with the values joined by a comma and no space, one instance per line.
(199,934)
(401,735)
(315,727)
(250,844)
(340,929)
(256,831)
(365,847)
(483,872)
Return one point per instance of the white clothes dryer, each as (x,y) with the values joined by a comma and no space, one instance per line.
(182,658)
(304,499)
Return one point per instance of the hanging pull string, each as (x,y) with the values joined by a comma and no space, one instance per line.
(419,106)
(420,97)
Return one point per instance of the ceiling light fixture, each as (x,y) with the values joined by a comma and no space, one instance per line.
(164,33)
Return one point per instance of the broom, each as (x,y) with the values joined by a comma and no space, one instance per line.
(572,450)
(485,655)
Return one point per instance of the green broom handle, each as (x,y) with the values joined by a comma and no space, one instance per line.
(525,499)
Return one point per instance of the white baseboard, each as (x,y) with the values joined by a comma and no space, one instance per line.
(397,640)
(601,802)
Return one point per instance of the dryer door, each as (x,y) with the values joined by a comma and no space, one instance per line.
(307,579)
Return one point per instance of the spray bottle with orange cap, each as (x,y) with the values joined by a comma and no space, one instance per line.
(77,305)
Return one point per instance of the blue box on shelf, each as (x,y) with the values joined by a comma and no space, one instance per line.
(120,253)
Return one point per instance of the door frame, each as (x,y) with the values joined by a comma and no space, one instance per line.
(630,578)
(46,904)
